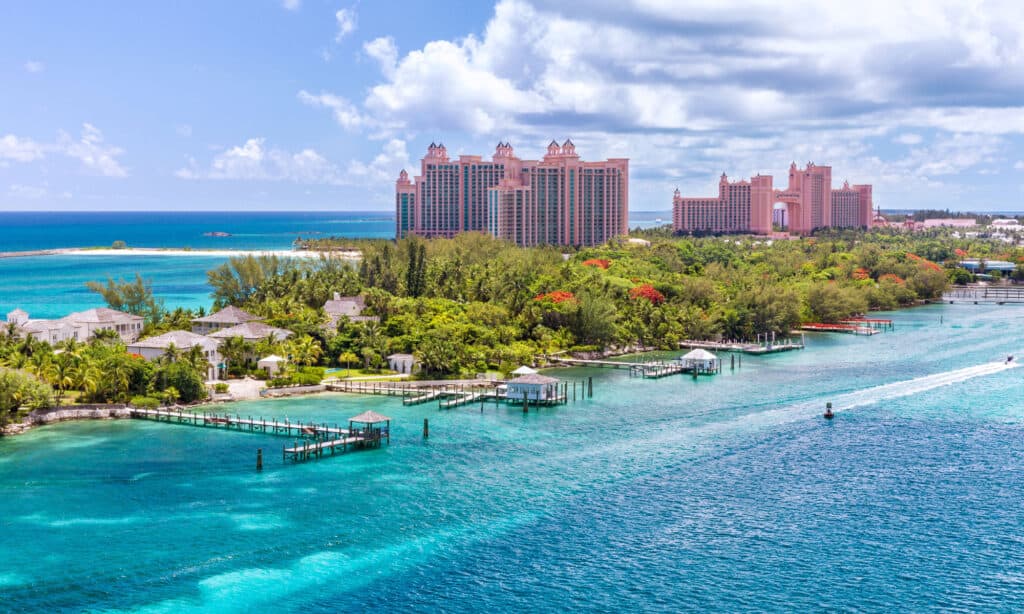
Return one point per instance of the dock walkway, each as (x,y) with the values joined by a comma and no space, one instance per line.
(285,428)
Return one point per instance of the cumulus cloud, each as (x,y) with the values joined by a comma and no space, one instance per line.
(254,160)
(34,66)
(291,5)
(345,113)
(1019,165)
(346,20)
(723,85)
(89,149)
(384,51)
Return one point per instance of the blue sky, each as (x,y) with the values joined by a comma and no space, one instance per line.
(313,104)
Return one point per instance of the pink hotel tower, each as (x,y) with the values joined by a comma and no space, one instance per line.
(559,200)
(746,206)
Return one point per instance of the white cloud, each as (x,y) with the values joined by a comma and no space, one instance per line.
(1019,165)
(90,149)
(908,138)
(382,168)
(184,130)
(20,149)
(255,161)
(92,152)
(384,51)
(346,20)
(34,66)
(26,192)
(345,113)
(291,5)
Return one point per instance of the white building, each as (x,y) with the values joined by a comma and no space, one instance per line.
(272,364)
(252,332)
(80,326)
(225,318)
(153,348)
(533,387)
(403,363)
(350,307)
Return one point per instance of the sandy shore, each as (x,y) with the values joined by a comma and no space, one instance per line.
(159,251)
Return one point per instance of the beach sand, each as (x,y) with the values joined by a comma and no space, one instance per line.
(154,251)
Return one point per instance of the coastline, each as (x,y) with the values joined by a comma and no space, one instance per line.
(176,252)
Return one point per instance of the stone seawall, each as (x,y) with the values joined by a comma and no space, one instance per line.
(52,416)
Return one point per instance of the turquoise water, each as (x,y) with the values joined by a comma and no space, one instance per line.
(729,493)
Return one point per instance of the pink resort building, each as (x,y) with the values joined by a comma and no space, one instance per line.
(807,203)
(557,200)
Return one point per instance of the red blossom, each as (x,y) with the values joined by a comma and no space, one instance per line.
(600,263)
(893,278)
(959,252)
(648,292)
(860,274)
(558,296)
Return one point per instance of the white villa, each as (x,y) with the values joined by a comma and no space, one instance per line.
(252,332)
(225,318)
(403,363)
(350,307)
(79,326)
(153,348)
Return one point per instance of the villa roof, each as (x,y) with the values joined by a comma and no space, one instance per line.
(535,378)
(228,315)
(272,358)
(699,354)
(524,370)
(345,305)
(369,417)
(181,339)
(101,315)
(252,331)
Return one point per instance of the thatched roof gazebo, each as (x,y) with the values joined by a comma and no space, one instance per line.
(372,427)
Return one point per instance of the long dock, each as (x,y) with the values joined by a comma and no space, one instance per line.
(744,348)
(649,370)
(285,428)
(982,295)
(838,327)
(308,450)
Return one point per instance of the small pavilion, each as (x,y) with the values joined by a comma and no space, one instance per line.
(271,364)
(524,370)
(372,427)
(701,361)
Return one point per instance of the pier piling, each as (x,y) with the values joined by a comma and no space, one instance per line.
(426,428)
(259,459)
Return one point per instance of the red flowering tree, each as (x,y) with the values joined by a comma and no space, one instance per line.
(600,263)
(648,292)
(861,274)
(893,278)
(558,296)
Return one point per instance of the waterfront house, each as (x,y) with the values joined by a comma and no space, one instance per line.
(350,307)
(532,387)
(153,348)
(79,326)
(225,318)
(403,363)
(252,332)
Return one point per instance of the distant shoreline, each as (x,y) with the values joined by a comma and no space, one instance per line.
(161,251)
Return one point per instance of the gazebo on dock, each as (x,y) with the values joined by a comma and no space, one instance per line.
(524,370)
(372,427)
(701,361)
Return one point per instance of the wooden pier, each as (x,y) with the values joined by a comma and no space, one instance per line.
(284,428)
(650,370)
(785,345)
(316,439)
(450,396)
(985,295)
(839,327)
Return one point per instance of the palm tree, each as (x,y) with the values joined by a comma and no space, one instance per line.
(196,357)
(86,377)
(60,373)
(234,350)
(118,375)
(347,358)
(305,350)
(171,354)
